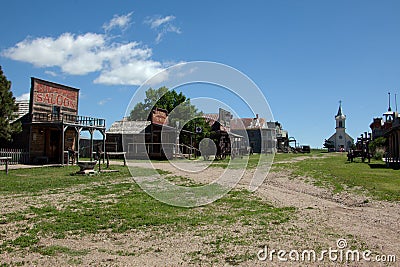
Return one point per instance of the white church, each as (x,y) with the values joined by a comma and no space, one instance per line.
(340,138)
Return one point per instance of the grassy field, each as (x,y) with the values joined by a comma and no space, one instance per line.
(332,170)
(37,180)
(113,202)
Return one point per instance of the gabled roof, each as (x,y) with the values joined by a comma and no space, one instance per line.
(128,127)
(237,124)
(212,119)
(251,123)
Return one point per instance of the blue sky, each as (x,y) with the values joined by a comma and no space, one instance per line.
(304,55)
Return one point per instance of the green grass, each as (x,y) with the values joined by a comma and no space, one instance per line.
(248,162)
(114,203)
(251,161)
(55,249)
(289,156)
(34,180)
(337,173)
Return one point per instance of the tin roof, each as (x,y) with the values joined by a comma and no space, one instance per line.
(128,127)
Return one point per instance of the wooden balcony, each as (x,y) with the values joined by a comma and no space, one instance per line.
(39,117)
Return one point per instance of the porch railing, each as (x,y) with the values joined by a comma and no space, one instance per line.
(68,118)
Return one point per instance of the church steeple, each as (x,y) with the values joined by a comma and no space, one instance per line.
(340,117)
(339,113)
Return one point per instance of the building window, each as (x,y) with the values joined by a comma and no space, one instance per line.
(56,110)
(340,137)
(340,124)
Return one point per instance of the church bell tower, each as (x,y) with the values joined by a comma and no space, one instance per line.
(341,140)
(340,129)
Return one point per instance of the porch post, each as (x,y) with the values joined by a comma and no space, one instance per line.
(62,144)
(91,143)
(104,144)
(78,132)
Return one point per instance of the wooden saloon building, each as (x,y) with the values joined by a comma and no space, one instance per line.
(53,126)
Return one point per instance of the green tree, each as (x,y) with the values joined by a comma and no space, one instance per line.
(7,107)
(329,144)
(178,106)
(160,98)
(179,109)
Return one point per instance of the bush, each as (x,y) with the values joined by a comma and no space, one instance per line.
(378,147)
(379,153)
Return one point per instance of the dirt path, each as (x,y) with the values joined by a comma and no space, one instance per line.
(376,224)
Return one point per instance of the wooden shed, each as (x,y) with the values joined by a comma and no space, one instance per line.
(142,139)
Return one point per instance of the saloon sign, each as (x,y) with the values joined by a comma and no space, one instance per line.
(53,96)
(159,116)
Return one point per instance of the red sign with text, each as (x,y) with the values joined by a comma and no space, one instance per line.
(53,96)
(159,116)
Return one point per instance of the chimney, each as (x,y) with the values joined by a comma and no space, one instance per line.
(256,116)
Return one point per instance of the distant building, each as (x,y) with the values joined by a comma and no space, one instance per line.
(377,127)
(389,127)
(282,136)
(227,142)
(340,138)
(261,135)
(23,108)
(392,134)
(380,126)
(143,139)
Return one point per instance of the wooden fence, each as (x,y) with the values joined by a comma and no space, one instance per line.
(18,156)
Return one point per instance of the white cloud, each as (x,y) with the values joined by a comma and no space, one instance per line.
(134,72)
(162,25)
(117,63)
(165,30)
(121,22)
(104,101)
(51,73)
(25,96)
(158,21)
(67,52)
